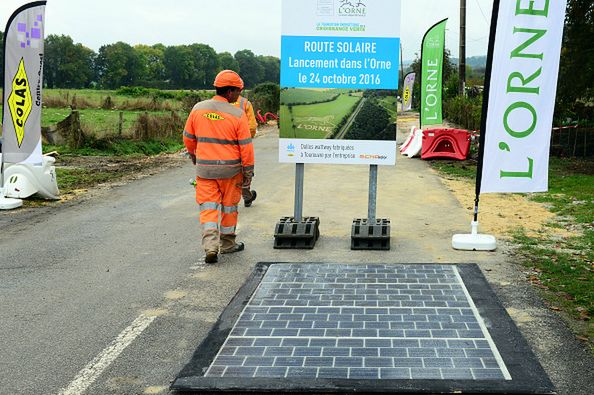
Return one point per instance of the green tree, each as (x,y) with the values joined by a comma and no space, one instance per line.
(575,89)
(250,68)
(179,66)
(370,123)
(228,62)
(67,65)
(271,68)
(206,65)
(152,64)
(118,65)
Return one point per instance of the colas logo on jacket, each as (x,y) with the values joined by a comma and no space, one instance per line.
(20,102)
(213,116)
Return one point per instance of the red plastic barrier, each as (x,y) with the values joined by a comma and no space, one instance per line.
(260,118)
(264,118)
(445,143)
(271,115)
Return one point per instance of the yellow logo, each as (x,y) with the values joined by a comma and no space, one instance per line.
(20,102)
(406,95)
(213,117)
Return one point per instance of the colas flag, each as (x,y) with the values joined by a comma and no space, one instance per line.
(23,80)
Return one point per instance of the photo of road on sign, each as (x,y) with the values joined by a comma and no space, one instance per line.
(340,114)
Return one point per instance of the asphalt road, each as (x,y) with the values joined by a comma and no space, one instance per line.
(109,295)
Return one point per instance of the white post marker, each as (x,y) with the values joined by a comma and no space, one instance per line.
(474,241)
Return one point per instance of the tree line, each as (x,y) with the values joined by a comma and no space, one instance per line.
(72,65)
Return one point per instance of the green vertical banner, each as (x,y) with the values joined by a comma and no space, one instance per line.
(432,74)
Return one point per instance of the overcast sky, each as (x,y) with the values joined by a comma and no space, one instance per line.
(232,25)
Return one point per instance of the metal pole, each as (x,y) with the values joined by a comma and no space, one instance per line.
(371,210)
(462,69)
(299,177)
(401,67)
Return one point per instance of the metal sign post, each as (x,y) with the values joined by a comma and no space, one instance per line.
(371,233)
(299,179)
(297,232)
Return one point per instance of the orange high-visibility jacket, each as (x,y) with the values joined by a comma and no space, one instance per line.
(218,134)
(247,107)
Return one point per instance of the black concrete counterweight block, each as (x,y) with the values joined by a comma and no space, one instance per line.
(292,234)
(366,235)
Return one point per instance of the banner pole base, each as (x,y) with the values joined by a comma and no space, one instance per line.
(474,241)
(8,203)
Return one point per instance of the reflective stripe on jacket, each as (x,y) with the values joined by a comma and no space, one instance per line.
(247,107)
(218,134)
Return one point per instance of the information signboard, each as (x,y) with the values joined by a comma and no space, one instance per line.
(339,76)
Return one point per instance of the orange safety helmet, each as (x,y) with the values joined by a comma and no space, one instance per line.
(228,78)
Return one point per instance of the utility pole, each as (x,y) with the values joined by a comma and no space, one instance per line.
(462,63)
(401,68)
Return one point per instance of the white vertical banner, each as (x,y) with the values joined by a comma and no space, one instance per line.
(23,82)
(521,95)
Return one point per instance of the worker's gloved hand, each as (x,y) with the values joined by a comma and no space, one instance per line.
(248,196)
(193,158)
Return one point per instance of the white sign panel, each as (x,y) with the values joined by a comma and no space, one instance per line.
(333,54)
(335,151)
(522,95)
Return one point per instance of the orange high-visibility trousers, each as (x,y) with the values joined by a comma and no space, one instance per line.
(218,197)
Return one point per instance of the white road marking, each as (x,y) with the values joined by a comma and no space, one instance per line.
(89,373)
(483,326)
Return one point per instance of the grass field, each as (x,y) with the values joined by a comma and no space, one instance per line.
(88,98)
(316,121)
(304,96)
(97,122)
(563,268)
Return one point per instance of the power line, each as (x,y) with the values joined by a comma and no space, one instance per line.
(481,9)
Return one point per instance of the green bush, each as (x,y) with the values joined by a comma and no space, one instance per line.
(139,91)
(464,111)
(266,98)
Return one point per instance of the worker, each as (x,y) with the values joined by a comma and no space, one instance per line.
(218,140)
(246,106)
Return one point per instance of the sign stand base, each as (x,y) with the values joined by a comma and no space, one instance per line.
(297,232)
(371,233)
(474,241)
(292,234)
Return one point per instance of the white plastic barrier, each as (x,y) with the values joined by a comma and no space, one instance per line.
(416,144)
(24,180)
(408,140)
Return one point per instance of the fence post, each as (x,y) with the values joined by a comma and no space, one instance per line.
(146,126)
(121,124)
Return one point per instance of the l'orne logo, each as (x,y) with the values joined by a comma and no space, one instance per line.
(20,102)
(352,8)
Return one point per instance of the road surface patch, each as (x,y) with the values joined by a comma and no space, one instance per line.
(394,328)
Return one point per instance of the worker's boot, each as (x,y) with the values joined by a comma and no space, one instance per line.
(248,197)
(229,246)
(210,243)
